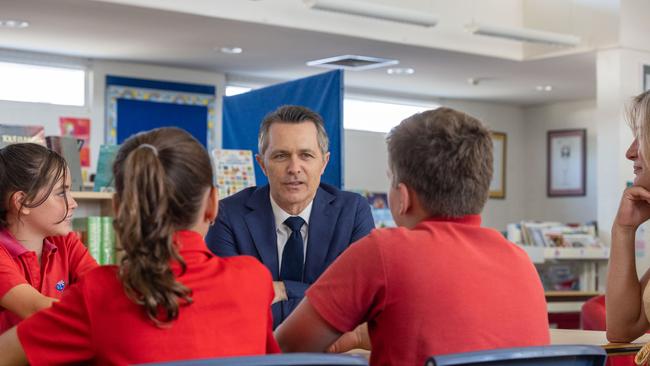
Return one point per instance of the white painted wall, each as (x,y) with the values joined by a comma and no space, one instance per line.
(539,120)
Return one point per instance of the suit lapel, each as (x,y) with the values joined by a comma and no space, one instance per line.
(321,228)
(261,225)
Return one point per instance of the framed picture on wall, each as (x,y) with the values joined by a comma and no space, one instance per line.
(646,77)
(567,156)
(498,183)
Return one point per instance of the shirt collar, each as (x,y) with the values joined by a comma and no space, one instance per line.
(16,249)
(281,215)
(474,220)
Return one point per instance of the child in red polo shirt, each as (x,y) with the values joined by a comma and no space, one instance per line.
(170,298)
(437,284)
(39,255)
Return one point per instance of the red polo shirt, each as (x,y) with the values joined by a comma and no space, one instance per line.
(445,286)
(96,323)
(63,260)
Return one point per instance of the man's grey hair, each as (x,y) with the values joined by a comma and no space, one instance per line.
(292,114)
(445,156)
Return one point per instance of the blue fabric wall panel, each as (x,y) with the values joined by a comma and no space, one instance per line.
(136,116)
(243,113)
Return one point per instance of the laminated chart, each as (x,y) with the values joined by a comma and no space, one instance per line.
(234,170)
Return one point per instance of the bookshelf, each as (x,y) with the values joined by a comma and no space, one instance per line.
(93,203)
(592,262)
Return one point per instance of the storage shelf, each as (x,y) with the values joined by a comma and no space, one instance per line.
(576,253)
(92,195)
(540,254)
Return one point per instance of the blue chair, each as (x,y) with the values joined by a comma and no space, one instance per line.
(289,359)
(560,355)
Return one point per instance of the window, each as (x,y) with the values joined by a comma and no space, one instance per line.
(42,84)
(364,115)
(375,115)
(234,90)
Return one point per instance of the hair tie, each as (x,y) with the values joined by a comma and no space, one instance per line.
(149,146)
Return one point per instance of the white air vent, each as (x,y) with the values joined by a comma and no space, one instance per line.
(353,62)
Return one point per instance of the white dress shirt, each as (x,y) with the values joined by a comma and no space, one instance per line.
(283,232)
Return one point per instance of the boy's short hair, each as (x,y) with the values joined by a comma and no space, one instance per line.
(445,156)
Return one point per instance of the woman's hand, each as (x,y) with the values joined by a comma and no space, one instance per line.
(634,209)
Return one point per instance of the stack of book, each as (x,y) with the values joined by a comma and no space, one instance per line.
(557,235)
(97,233)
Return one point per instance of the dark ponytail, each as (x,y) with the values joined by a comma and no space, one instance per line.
(32,169)
(161,177)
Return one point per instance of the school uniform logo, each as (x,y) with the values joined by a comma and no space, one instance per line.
(60,285)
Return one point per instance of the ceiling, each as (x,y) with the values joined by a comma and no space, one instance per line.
(101,30)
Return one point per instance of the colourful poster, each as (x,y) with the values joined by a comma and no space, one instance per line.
(80,129)
(234,170)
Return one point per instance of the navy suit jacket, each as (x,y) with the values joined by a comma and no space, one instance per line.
(246,225)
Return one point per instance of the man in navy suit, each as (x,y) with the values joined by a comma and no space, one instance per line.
(295,225)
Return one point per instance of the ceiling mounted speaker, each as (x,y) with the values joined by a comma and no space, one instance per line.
(376,11)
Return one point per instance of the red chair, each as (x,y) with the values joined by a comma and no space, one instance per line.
(592,317)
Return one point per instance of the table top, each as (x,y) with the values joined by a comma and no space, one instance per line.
(596,338)
(560,296)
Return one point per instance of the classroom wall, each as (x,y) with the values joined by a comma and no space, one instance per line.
(539,120)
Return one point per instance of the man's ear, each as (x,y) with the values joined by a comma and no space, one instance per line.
(16,203)
(212,206)
(405,198)
(326,159)
(260,160)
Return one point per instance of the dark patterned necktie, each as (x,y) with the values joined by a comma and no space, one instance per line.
(292,256)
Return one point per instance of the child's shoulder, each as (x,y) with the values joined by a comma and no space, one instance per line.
(246,264)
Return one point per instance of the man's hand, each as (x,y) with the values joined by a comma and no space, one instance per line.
(358,338)
(280,292)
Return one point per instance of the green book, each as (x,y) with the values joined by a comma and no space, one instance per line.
(94,241)
(108,241)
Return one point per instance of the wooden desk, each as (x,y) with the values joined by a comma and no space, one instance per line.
(569,296)
(597,338)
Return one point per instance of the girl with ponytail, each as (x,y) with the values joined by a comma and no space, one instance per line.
(170,298)
(39,255)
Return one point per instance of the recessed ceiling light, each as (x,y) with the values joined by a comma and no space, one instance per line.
(546,88)
(13,23)
(400,71)
(231,50)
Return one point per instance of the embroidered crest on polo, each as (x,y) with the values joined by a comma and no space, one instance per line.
(60,285)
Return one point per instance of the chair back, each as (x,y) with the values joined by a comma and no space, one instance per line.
(559,355)
(592,314)
(289,359)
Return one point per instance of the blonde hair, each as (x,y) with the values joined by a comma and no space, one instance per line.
(638,117)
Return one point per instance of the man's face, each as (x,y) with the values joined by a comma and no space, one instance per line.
(293,163)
